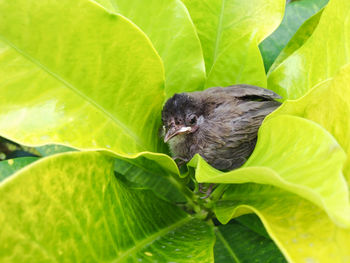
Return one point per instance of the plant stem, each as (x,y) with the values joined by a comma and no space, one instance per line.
(188,194)
(215,196)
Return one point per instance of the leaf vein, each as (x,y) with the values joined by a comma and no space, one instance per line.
(227,246)
(105,112)
(218,33)
(150,239)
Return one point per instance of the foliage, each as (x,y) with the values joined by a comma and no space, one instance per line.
(295,15)
(84,83)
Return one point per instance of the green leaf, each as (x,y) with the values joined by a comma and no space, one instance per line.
(230,31)
(71,207)
(300,37)
(150,175)
(72,73)
(10,166)
(253,223)
(236,243)
(295,15)
(244,65)
(320,58)
(51,149)
(169,26)
(301,230)
(328,105)
(296,155)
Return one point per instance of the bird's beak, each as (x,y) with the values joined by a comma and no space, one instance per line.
(173,131)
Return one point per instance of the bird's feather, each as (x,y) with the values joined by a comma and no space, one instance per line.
(240,91)
(231,118)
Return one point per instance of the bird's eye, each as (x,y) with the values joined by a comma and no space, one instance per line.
(193,119)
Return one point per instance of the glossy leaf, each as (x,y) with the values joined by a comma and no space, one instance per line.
(300,37)
(76,78)
(230,31)
(301,230)
(295,14)
(253,222)
(320,58)
(296,155)
(71,207)
(328,105)
(236,243)
(10,166)
(169,27)
(148,174)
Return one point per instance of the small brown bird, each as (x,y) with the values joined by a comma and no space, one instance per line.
(220,124)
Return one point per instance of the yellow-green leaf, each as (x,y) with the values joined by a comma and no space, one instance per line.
(298,156)
(73,73)
(329,105)
(295,14)
(72,208)
(301,230)
(169,26)
(298,39)
(230,31)
(320,58)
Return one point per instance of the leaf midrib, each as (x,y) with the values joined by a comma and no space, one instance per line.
(218,34)
(115,120)
(150,239)
(169,177)
(227,246)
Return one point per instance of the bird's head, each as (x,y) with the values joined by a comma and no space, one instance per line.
(181,115)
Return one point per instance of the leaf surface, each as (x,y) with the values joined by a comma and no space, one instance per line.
(254,223)
(76,78)
(295,14)
(298,39)
(296,155)
(71,207)
(51,149)
(302,231)
(10,166)
(230,31)
(169,26)
(320,58)
(147,174)
(236,243)
(328,105)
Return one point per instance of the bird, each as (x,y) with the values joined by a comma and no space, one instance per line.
(220,123)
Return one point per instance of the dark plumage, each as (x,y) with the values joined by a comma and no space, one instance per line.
(220,124)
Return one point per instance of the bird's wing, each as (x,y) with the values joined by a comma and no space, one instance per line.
(242,91)
(232,131)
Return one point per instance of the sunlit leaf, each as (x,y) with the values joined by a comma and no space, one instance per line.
(76,78)
(300,37)
(320,58)
(302,231)
(71,207)
(296,13)
(230,31)
(169,27)
(328,105)
(296,155)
